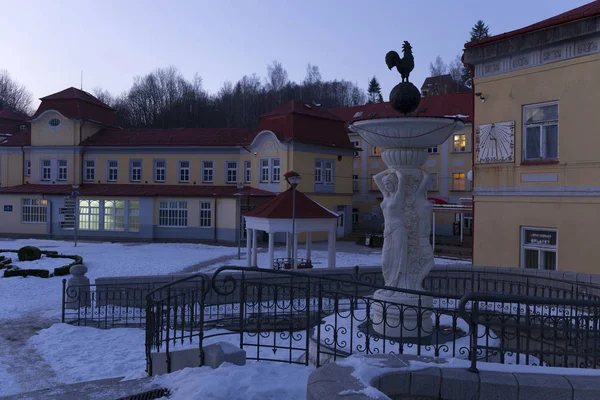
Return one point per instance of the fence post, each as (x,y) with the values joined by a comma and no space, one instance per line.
(168,357)
(64,289)
(474,334)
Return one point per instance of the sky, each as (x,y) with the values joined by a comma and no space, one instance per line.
(46,45)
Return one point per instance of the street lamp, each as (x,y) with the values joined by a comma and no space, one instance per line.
(74,194)
(293,178)
(240,187)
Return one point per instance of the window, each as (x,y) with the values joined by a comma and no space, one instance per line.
(460,143)
(160,170)
(34,211)
(434,182)
(205,214)
(540,124)
(355,143)
(355,218)
(264,170)
(184,171)
(208,169)
(318,171)
(172,214)
(114,215)
(276,172)
(89,215)
(459,182)
(62,170)
(54,122)
(135,170)
(27,167)
(46,170)
(373,183)
(90,170)
(433,150)
(539,247)
(113,170)
(329,172)
(247,171)
(231,171)
(355,183)
(134,216)
(375,151)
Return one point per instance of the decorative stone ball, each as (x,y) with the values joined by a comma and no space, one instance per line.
(405,97)
(78,270)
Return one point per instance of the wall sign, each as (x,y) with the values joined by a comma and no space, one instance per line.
(540,237)
(8,208)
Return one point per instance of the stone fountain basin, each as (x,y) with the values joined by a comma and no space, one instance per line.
(406,132)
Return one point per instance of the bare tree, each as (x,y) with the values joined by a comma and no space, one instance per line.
(13,95)
(438,67)
(103,95)
(455,69)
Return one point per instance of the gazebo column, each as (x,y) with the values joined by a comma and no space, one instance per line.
(248,248)
(308,244)
(288,245)
(295,251)
(271,249)
(331,250)
(254,252)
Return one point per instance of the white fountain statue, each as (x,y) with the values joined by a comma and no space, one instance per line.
(407,255)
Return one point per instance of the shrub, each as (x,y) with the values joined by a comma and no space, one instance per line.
(65,270)
(29,253)
(41,273)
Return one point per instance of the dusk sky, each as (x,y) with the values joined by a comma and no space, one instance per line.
(46,44)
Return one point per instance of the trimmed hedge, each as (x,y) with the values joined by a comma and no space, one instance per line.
(42,273)
(29,253)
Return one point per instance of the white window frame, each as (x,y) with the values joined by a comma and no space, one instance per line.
(184,168)
(135,172)
(455,142)
(541,125)
(172,214)
(133,217)
(231,171)
(44,169)
(329,166)
(62,167)
(112,172)
(466,187)
(264,170)
(539,247)
(319,171)
(355,143)
(205,214)
(116,210)
(93,215)
(434,182)
(89,170)
(433,150)
(160,172)
(355,183)
(208,170)
(34,211)
(27,167)
(275,170)
(247,171)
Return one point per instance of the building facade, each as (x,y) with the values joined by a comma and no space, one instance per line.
(449,164)
(72,168)
(537,168)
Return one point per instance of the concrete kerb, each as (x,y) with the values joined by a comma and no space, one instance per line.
(396,378)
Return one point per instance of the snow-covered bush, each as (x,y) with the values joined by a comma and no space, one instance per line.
(29,253)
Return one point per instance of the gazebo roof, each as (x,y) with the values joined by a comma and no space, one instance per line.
(280,207)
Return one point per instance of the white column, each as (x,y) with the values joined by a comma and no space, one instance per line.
(271,249)
(254,252)
(433,231)
(461,227)
(308,245)
(331,250)
(295,252)
(248,248)
(288,250)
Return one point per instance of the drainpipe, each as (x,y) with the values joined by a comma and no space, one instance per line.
(23,163)
(471,68)
(81,157)
(215,224)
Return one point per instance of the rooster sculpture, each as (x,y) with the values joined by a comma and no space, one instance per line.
(405,65)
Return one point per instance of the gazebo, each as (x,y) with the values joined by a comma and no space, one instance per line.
(291,212)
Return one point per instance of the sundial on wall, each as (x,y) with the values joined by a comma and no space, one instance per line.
(495,143)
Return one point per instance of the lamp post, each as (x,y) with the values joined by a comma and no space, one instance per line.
(240,187)
(74,194)
(293,178)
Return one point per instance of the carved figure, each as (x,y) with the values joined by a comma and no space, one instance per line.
(405,65)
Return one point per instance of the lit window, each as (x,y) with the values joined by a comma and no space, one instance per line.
(135,170)
(541,132)
(114,215)
(205,214)
(247,171)
(34,211)
(184,171)
(172,214)
(539,247)
(459,182)
(113,170)
(89,215)
(375,151)
(134,216)
(208,172)
(90,170)
(276,173)
(373,183)
(318,171)
(460,143)
(231,171)
(355,183)
(160,170)
(264,170)
(46,170)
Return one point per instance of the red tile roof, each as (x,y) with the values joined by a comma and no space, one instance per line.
(430,106)
(15,138)
(281,207)
(12,115)
(586,11)
(307,123)
(77,104)
(171,137)
(137,190)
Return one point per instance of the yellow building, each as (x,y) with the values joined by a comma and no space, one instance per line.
(537,168)
(449,164)
(161,184)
